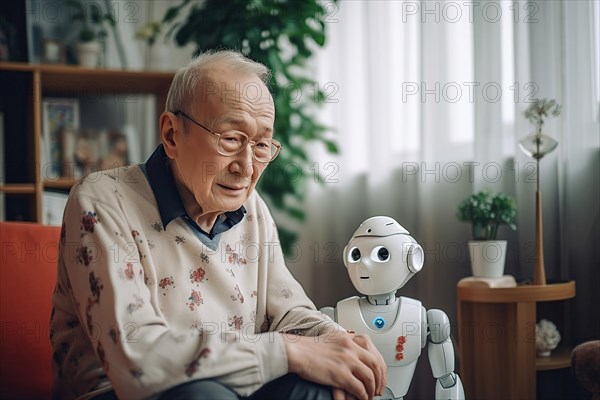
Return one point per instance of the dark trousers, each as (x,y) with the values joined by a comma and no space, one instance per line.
(287,387)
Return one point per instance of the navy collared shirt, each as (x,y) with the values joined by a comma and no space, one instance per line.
(170,206)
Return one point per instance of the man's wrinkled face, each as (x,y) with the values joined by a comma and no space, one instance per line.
(234,101)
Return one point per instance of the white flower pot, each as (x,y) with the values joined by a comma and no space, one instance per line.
(88,53)
(488,258)
(159,57)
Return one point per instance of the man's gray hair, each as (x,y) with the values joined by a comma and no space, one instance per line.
(187,79)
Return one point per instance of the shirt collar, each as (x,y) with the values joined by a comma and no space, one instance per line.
(170,206)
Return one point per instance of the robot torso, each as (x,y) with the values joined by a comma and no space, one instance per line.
(399,331)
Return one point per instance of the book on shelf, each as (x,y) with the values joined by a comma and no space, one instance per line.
(488,282)
(60,118)
(96,151)
(70,150)
(53,207)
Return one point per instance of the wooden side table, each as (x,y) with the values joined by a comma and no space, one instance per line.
(496,328)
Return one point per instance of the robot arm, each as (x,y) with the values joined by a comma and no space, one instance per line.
(441,357)
(330,312)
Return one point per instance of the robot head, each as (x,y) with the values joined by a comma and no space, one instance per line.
(381,256)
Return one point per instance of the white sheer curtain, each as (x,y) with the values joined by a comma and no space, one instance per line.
(425,99)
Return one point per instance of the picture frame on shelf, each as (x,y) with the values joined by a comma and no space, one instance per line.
(60,121)
(99,151)
(115,148)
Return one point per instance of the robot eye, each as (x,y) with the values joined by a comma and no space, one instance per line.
(383,254)
(355,254)
(380,254)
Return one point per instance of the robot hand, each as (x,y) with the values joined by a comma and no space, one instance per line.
(449,387)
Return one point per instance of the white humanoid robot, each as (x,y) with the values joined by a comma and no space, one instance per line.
(381,257)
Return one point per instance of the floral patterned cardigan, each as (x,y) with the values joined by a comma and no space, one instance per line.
(140,308)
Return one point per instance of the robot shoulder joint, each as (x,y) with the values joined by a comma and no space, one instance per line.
(439,326)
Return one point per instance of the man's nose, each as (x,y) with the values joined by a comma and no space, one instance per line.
(243,164)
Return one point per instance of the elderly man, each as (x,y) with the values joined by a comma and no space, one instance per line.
(171,281)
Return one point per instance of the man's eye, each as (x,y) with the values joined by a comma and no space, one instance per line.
(264,145)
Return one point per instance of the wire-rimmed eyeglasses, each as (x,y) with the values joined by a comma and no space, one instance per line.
(232,142)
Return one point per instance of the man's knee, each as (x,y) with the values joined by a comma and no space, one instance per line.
(292,387)
(205,389)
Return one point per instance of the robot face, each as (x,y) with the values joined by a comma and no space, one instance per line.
(381,264)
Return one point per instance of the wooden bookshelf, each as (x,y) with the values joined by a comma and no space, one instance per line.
(60,184)
(23,88)
(18,188)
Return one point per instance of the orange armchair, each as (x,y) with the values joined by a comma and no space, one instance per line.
(28,258)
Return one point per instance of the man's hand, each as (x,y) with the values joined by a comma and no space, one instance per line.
(365,342)
(339,394)
(350,363)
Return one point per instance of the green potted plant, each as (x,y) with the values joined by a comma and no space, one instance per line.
(487,213)
(92,31)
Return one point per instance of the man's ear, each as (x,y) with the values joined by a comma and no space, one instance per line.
(169,126)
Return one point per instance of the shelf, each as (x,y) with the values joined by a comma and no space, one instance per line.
(559,358)
(29,188)
(71,80)
(18,188)
(525,293)
(61,183)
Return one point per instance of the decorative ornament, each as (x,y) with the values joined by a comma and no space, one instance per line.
(547,337)
(537,145)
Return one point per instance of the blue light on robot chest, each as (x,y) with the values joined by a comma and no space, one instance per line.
(379,322)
